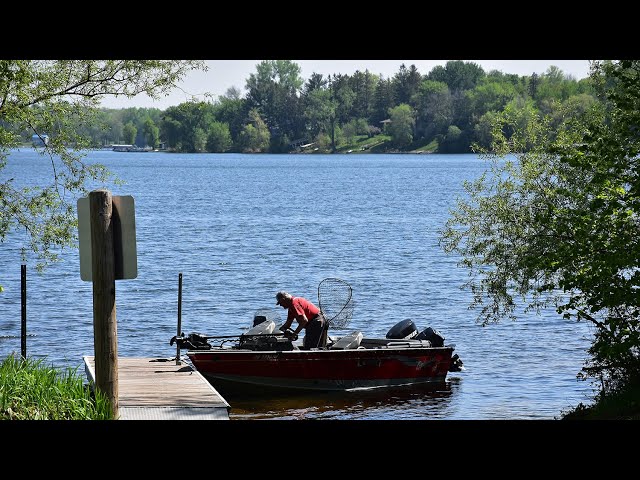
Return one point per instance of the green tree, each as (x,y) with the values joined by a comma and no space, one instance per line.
(457,74)
(406,83)
(231,110)
(451,141)
(52,97)
(491,96)
(219,138)
(350,130)
(315,98)
(184,126)
(363,85)
(482,131)
(151,133)
(401,126)
(199,139)
(255,136)
(327,104)
(555,222)
(273,91)
(434,109)
(383,100)
(129,132)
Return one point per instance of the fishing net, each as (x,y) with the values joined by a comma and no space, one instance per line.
(335,300)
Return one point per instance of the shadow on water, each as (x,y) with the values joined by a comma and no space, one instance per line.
(408,402)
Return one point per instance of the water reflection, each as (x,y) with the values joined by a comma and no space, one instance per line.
(408,402)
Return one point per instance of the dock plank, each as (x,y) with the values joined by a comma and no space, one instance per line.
(152,388)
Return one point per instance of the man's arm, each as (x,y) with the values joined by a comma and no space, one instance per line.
(302,322)
(286,325)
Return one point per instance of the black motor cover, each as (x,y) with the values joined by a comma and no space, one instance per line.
(195,341)
(436,339)
(404,330)
(258,319)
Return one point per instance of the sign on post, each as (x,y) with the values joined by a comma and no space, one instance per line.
(124,238)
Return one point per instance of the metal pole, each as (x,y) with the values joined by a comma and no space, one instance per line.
(23,305)
(179,316)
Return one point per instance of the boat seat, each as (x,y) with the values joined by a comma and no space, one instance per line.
(351,341)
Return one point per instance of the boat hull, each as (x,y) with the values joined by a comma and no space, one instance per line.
(324,370)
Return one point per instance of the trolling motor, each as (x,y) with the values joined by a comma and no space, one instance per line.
(194,341)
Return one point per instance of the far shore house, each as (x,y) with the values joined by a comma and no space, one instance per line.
(41,140)
(385,123)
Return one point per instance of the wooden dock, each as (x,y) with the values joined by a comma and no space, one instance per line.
(158,389)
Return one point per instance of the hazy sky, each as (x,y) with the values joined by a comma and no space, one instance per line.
(224,74)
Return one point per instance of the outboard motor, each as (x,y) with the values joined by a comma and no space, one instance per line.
(258,319)
(436,339)
(403,330)
(265,315)
(456,364)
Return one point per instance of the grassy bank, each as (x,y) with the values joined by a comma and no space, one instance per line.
(377,144)
(623,405)
(32,390)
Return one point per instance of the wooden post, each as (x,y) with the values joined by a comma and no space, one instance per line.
(178,362)
(105,337)
(23,309)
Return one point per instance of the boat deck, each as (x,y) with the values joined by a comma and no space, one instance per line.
(158,389)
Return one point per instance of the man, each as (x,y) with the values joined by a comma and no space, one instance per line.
(308,317)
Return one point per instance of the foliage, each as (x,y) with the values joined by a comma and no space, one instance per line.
(53,97)
(456,94)
(401,126)
(31,390)
(129,131)
(406,83)
(185,126)
(255,136)
(555,220)
(623,405)
(151,133)
(457,75)
(219,139)
(273,93)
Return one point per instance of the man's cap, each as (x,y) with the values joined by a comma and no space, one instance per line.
(280,295)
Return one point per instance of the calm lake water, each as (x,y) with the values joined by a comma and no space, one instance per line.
(241,227)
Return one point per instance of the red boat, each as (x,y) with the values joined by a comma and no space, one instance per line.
(266,358)
(270,360)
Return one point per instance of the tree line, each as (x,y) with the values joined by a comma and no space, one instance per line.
(447,110)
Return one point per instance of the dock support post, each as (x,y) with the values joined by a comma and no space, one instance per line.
(104,296)
(178,362)
(23,310)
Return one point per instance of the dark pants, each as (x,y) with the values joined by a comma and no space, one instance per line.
(315,333)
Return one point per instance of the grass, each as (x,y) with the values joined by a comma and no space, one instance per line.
(382,144)
(32,390)
(364,144)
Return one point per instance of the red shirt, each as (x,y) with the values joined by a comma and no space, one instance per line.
(301,306)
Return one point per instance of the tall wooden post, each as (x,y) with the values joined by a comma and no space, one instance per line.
(105,337)
(23,309)
(178,362)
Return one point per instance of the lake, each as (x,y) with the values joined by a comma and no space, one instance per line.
(241,227)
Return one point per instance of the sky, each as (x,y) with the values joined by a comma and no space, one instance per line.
(223,74)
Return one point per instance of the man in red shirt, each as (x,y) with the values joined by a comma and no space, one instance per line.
(308,317)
